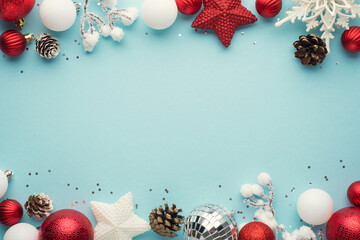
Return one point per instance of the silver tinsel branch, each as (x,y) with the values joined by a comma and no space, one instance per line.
(105,27)
(255,196)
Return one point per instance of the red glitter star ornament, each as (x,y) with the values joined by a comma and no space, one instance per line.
(223,16)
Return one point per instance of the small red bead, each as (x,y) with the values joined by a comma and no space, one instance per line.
(12,43)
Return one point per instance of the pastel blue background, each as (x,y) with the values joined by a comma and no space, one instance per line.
(162,111)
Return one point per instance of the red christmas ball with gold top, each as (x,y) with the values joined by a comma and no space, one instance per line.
(350,39)
(268,8)
(256,231)
(13,42)
(14,10)
(11,212)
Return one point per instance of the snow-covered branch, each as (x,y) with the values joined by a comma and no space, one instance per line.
(106,28)
(255,196)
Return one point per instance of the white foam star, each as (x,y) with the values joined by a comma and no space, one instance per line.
(118,221)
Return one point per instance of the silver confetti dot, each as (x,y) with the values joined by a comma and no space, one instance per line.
(206,32)
(254,43)
(179,34)
(242,33)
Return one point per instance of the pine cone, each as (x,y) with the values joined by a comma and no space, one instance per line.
(39,206)
(47,46)
(311,49)
(166,222)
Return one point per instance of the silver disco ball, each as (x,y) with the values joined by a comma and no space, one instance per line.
(210,222)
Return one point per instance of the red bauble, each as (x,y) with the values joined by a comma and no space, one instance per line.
(12,10)
(344,224)
(350,39)
(256,231)
(66,224)
(268,8)
(11,212)
(12,43)
(188,7)
(353,193)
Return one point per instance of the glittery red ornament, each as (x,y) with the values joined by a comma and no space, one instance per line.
(13,42)
(350,39)
(256,231)
(12,10)
(223,16)
(353,193)
(268,8)
(66,224)
(11,212)
(188,7)
(344,224)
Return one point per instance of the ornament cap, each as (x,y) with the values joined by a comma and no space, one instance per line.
(29,37)
(20,23)
(9,174)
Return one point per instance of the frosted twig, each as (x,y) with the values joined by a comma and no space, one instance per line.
(326,13)
(105,28)
(255,196)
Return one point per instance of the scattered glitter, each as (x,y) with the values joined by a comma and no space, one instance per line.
(286,196)
(320,67)
(97,184)
(337,63)
(242,33)
(247,206)
(49,170)
(310,183)
(196,30)
(167,191)
(79,44)
(72,204)
(293,189)
(111,193)
(150,190)
(77,57)
(136,206)
(309,167)
(75,40)
(27,49)
(343,166)
(146,33)
(206,32)
(238,212)
(68,184)
(99,189)
(92,192)
(36,173)
(244,217)
(63,55)
(179,34)
(4,55)
(27,185)
(219,186)
(21,71)
(341,160)
(290,204)
(84,202)
(76,188)
(254,43)
(67,59)
(76,202)
(29,173)
(98,4)
(278,19)
(37,4)
(163,199)
(230,199)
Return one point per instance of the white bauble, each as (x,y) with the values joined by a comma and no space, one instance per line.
(315,206)
(3,184)
(22,231)
(58,15)
(159,14)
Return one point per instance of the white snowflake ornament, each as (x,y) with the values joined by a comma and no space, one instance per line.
(118,221)
(326,13)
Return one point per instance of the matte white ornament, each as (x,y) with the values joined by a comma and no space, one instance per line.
(315,206)
(326,13)
(22,231)
(4,178)
(58,15)
(118,221)
(159,14)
